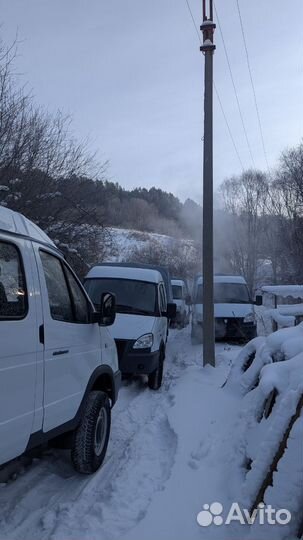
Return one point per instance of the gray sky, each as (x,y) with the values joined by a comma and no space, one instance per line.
(130,73)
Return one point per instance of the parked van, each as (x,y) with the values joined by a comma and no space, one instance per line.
(182,300)
(59,374)
(233,306)
(140,328)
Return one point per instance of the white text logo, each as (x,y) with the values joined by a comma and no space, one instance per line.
(212,515)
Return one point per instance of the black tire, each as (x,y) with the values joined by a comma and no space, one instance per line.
(155,378)
(88,453)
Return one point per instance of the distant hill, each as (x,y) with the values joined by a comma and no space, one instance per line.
(181,256)
(85,217)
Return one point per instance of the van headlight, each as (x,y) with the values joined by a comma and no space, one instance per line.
(250,318)
(144,342)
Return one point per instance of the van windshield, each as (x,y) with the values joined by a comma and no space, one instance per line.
(231,293)
(177,292)
(132,297)
(226,293)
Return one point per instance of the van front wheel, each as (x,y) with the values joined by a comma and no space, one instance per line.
(91,436)
(155,378)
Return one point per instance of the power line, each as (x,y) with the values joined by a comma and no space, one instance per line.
(193,20)
(228,127)
(235,89)
(216,90)
(252,83)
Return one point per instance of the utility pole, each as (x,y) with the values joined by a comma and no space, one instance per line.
(208,48)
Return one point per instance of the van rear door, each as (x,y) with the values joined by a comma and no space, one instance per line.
(19,345)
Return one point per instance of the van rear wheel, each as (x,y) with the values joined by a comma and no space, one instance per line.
(155,378)
(91,437)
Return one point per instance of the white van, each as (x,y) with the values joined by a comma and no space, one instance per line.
(141,325)
(59,373)
(182,300)
(233,306)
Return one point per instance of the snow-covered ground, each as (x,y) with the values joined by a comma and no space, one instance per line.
(169,455)
(176,452)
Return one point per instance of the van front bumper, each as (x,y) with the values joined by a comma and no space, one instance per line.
(136,361)
(234,328)
(227,328)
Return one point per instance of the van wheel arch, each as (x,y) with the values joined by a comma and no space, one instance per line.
(101,379)
(104,382)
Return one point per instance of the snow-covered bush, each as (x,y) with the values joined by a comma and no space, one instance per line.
(273,442)
(247,366)
(278,346)
(269,426)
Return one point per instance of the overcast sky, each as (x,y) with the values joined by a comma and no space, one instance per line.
(131,75)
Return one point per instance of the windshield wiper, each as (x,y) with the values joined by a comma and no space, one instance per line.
(131,309)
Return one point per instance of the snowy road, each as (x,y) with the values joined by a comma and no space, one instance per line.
(163,463)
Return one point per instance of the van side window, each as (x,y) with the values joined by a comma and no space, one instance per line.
(13,295)
(58,293)
(80,302)
(163,301)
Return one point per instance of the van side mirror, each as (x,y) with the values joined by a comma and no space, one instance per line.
(171,311)
(259,300)
(108,309)
(188,300)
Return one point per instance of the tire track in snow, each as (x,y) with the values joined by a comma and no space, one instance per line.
(109,510)
(140,461)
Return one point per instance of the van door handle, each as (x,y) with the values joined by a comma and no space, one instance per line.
(59,353)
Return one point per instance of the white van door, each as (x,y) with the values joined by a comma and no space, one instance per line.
(19,346)
(72,347)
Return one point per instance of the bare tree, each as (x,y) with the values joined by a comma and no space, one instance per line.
(245,199)
(288,189)
(42,168)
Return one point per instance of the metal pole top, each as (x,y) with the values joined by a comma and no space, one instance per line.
(207,28)
(207,14)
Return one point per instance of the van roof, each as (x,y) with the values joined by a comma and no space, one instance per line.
(123,272)
(162,269)
(178,282)
(15,223)
(225,279)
